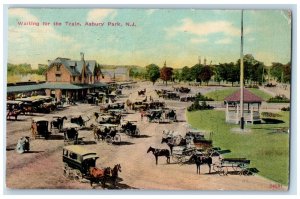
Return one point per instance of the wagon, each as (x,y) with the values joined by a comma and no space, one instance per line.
(232,165)
(39,127)
(129,128)
(77,161)
(154,115)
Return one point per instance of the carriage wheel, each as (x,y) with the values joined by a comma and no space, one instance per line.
(127,132)
(66,170)
(176,158)
(117,138)
(108,139)
(77,175)
(137,132)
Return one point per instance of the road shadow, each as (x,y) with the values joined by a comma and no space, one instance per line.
(34,151)
(272,121)
(142,136)
(180,120)
(87,142)
(17,120)
(120,186)
(122,143)
(55,137)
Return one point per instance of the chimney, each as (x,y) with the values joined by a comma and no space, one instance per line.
(82,56)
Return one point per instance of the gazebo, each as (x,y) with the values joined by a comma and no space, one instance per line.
(251,107)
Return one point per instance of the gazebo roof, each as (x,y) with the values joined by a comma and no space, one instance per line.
(248,97)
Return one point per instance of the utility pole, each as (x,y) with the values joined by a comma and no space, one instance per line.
(242,72)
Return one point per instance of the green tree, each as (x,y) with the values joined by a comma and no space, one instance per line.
(186,74)
(206,74)
(152,72)
(195,72)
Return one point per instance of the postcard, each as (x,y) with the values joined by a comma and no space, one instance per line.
(148,99)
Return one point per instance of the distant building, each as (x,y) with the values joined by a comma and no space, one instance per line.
(72,78)
(119,73)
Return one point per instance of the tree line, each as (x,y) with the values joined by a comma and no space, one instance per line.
(255,72)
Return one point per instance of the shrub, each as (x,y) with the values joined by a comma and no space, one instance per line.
(197,106)
(286,108)
(269,114)
(279,99)
(201,97)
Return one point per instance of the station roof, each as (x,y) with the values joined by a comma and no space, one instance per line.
(248,97)
(53,85)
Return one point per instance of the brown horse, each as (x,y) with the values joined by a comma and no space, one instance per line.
(13,113)
(98,175)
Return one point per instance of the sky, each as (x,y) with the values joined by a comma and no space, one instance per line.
(178,36)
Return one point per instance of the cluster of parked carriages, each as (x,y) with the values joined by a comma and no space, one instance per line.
(29,105)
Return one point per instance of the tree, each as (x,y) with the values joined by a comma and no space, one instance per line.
(186,74)
(206,74)
(287,73)
(177,75)
(166,73)
(152,72)
(277,71)
(195,72)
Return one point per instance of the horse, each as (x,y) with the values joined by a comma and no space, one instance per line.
(115,173)
(201,160)
(97,175)
(160,152)
(170,142)
(58,123)
(13,113)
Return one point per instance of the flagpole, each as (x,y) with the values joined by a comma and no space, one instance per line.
(242,72)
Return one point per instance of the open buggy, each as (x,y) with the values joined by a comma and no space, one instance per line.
(107,132)
(39,128)
(130,128)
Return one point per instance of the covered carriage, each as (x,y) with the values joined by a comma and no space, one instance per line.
(39,127)
(108,133)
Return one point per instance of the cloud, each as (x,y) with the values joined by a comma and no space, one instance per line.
(22,14)
(223,41)
(35,34)
(100,14)
(197,40)
(205,28)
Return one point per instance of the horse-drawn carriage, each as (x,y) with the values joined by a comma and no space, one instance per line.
(70,131)
(129,128)
(171,95)
(78,119)
(154,115)
(80,165)
(14,109)
(39,128)
(182,90)
(107,132)
(232,165)
(110,119)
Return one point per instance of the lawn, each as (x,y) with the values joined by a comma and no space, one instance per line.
(268,151)
(221,94)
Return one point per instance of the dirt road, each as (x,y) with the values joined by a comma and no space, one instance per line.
(43,166)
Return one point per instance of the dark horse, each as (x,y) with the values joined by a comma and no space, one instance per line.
(171,144)
(160,152)
(58,123)
(200,159)
(115,174)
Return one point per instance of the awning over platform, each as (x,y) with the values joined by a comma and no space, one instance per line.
(53,85)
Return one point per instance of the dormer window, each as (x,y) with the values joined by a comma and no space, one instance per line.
(58,67)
